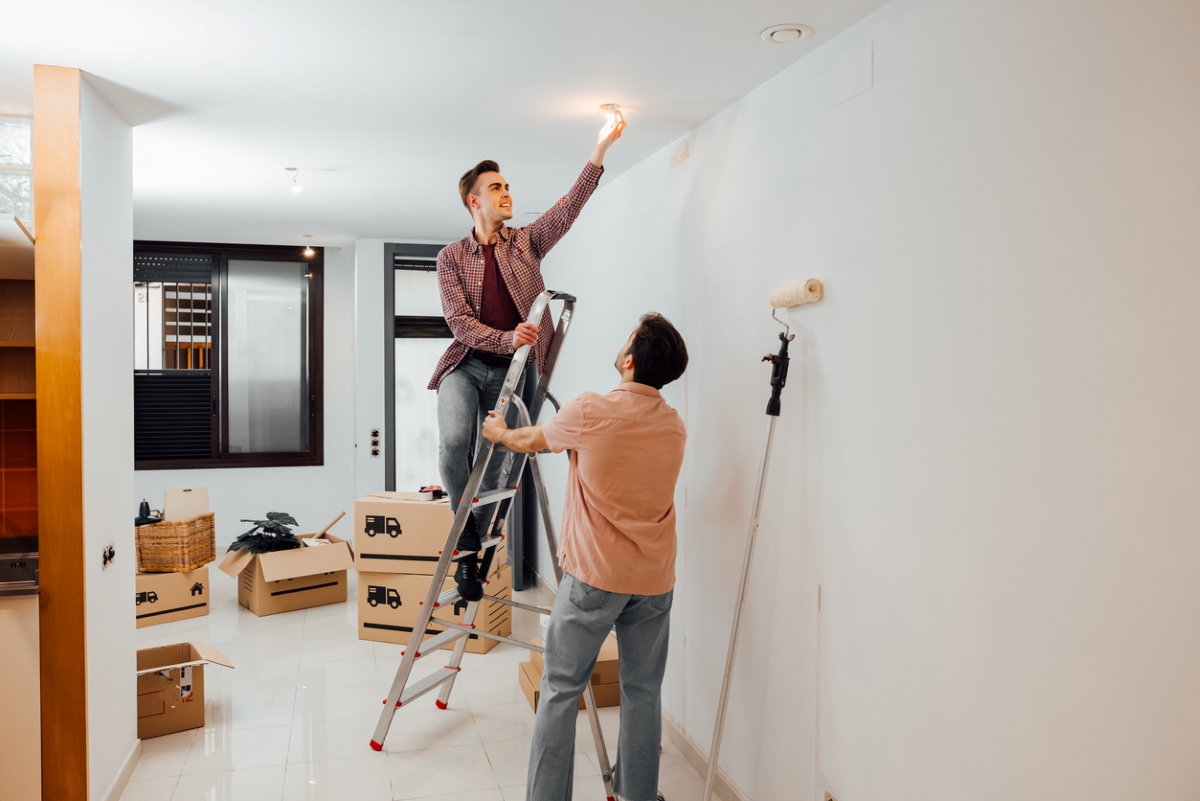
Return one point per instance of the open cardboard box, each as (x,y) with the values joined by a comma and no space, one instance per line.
(283,581)
(170,687)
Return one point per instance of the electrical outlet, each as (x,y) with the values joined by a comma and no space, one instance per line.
(376,447)
(107,556)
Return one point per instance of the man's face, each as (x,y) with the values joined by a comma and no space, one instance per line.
(492,196)
(623,354)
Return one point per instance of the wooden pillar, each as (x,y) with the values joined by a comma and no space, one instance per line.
(57,271)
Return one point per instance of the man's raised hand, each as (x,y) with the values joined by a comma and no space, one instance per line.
(611,132)
(525,334)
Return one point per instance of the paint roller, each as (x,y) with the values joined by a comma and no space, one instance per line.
(786,297)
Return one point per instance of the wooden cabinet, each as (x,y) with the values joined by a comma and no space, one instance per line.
(18,412)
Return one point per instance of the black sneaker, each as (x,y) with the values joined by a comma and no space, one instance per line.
(469,540)
(466,576)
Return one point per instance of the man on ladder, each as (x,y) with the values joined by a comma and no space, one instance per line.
(617,552)
(488,282)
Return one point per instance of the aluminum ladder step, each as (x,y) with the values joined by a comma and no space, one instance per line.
(494,496)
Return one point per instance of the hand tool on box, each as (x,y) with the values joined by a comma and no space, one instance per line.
(788,297)
(402,692)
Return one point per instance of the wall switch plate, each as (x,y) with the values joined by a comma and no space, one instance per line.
(108,555)
(681,154)
(376,447)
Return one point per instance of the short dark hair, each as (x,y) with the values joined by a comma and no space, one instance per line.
(659,353)
(471,176)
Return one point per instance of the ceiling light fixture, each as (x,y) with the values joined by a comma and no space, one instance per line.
(786,33)
(308,251)
(610,111)
(296,187)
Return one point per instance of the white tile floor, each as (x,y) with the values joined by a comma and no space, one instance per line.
(293,720)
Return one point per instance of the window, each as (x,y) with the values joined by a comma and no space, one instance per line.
(227,355)
(420,336)
(16,168)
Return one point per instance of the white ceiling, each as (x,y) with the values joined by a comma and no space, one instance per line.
(382,104)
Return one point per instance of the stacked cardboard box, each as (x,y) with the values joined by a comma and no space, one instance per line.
(398,538)
(166,597)
(606,676)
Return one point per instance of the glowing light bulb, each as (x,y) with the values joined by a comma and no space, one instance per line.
(308,251)
(296,187)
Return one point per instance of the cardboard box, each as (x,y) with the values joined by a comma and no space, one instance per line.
(284,581)
(530,679)
(607,670)
(388,604)
(165,597)
(394,534)
(170,687)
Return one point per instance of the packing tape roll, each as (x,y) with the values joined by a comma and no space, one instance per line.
(809,291)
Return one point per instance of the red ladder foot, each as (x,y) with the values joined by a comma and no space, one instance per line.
(377,746)
(440,705)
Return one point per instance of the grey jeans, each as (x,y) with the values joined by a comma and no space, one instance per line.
(465,396)
(583,616)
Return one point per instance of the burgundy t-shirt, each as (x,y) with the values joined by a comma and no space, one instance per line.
(496,307)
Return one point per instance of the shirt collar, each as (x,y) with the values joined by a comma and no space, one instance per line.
(473,245)
(639,389)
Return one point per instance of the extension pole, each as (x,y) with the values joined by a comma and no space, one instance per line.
(778,378)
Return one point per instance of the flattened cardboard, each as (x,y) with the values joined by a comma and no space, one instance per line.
(170,687)
(166,597)
(388,604)
(284,581)
(184,504)
(393,534)
(530,679)
(607,670)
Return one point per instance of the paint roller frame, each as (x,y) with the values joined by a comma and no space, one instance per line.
(787,297)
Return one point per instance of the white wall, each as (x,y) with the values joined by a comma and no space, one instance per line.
(987,452)
(313,495)
(368,363)
(106,200)
(621,259)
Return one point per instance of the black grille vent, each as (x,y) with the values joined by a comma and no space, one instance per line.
(178,268)
(172,414)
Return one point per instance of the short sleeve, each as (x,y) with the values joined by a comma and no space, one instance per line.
(564,430)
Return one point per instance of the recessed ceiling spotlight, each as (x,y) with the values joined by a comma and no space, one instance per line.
(296,187)
(786,33)
(308,251)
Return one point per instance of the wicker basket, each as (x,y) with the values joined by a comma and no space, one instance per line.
(176,546)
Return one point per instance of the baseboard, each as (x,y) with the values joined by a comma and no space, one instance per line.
(698,759)
(126,771)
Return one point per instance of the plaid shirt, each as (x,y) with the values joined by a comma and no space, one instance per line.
(519,253)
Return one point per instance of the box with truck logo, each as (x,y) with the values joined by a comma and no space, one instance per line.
(388,605)
(398,532)
(283,581)
(166,597)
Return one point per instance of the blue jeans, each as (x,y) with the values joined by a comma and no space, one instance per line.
(467,393)
(583,616)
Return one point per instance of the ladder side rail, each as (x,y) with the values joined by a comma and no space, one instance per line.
(460,647)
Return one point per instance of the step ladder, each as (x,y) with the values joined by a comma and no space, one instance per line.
(402,692)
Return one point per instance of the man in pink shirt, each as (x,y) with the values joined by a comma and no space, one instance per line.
(618,557)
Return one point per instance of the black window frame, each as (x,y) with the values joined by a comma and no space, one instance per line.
(220,456)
